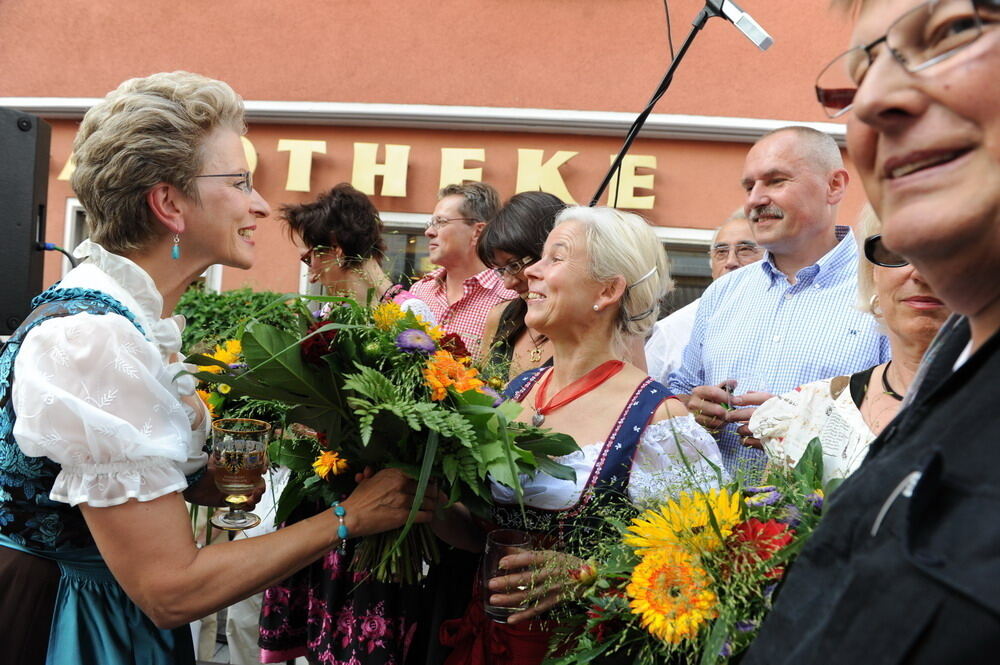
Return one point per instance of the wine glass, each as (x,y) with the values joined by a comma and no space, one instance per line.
(239,450)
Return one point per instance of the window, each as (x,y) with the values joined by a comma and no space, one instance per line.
(76,232)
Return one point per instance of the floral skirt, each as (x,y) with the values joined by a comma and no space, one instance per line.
(332,615)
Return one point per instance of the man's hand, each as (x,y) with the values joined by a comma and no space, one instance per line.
(748,403)
(709,404)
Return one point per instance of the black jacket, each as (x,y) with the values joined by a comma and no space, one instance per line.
(905,566)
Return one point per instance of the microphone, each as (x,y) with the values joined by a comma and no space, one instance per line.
(744,23)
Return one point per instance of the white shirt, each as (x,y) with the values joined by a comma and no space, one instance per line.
(665,347)
(95,396)
(659,470)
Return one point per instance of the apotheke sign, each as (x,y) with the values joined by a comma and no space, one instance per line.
(535,169)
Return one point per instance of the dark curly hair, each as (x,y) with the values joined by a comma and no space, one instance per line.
(520,226)
(342,217)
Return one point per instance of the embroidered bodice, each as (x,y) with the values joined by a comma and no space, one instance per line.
(95,414)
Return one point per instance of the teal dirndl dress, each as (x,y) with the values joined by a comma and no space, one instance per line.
(89,620)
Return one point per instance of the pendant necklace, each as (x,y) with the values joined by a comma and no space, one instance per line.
(888,388)
(578,388)
(535,354)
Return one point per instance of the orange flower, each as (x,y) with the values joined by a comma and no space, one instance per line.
(329,462)
(205,397)
(443,371)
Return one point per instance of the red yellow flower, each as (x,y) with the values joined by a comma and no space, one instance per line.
(443,371)
(329,463)
(671,595)
(754,542)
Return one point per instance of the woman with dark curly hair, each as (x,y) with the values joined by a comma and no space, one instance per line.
(339,236)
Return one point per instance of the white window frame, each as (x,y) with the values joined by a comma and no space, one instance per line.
(212,275)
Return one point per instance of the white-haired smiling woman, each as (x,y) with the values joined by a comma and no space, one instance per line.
(597,285)
(905,566)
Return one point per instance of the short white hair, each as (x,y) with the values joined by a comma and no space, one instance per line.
(623,244)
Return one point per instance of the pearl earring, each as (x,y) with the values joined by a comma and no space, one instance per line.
(597,308)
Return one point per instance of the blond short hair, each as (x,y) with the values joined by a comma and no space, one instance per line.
(623,244)
(868,225)
(147,131)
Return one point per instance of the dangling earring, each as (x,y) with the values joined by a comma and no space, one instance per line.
(873,305)
(175,251)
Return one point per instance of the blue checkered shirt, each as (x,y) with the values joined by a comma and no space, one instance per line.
(769,335)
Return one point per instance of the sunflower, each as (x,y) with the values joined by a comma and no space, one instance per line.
(227,352)
(443,371)
(685,521)
(387,315)
(329,462)
(671,595)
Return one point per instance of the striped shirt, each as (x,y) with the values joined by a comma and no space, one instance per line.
(467,315)
(772,336)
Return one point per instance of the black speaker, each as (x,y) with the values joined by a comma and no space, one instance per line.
(24,184)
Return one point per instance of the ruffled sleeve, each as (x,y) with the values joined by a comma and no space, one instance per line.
(92,394)
(674,456)
(787,423)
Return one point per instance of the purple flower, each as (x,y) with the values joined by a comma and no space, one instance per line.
(746,626)
(790,515)
(727,650)
(415,341)
(769,591)
(767,498)
(497,398)
(816,499)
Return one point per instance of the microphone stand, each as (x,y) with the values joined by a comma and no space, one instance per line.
(711,8)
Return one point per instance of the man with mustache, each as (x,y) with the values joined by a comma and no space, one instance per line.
(789,319)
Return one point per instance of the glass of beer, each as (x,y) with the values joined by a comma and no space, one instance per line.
(239,451)
(500,543)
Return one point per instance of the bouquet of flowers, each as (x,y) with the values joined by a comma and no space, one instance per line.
(378,387)
(690,580)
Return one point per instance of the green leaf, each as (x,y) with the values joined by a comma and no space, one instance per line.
(291,497)
(810,467)
(555,469)
(430,454)
(297,454)
(274,358)
(554,444)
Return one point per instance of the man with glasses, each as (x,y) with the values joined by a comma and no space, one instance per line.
(790,319)
(732,247)
(462,291)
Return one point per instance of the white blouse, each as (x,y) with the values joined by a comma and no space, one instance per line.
(787,423)
(104,402)
(659,470)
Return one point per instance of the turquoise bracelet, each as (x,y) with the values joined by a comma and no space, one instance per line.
(342,531)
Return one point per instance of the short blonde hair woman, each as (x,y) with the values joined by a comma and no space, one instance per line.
(100,438)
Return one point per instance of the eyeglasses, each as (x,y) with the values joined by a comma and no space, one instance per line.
(244,184)
(920,38)
(438,222)
(316,254)
(744,250)
(514,267)
(880,255)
